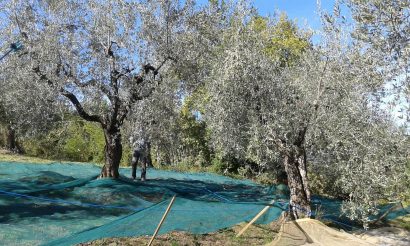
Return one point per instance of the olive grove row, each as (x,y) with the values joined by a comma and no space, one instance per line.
(265,92)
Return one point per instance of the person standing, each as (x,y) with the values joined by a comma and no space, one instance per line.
(141,153)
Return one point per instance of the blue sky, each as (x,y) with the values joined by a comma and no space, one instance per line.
(300,10)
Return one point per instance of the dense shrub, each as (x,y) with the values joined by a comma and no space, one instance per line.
(76,140)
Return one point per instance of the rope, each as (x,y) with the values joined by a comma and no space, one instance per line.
(218,196)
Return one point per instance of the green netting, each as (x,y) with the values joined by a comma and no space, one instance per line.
(41,203)
(186,215)
(64,204)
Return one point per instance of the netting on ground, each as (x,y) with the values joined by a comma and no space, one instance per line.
(64,204)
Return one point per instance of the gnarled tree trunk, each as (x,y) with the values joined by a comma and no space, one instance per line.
(113,153)
(11,138)
(295,166)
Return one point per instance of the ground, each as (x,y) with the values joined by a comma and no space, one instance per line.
(7,156)
(255,235)
(387,236)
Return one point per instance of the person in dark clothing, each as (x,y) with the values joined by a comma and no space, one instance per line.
(141,153)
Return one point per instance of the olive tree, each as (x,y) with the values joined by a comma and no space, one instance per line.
(23,112)
(101,56)
(256,101)
(249,105)
(382,28)
(360,156)
(158,117)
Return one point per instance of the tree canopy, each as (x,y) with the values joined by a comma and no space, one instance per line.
(220,85)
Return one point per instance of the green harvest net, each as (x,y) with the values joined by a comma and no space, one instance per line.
(64,204)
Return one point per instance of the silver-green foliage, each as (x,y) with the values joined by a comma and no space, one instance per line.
(331,91)
(257,108)
(385,27)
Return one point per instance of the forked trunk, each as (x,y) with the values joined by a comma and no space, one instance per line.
(295,166)
(113,154)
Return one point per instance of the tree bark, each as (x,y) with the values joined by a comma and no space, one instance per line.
(113,153)
(149,158)
(11,139)
(295,166)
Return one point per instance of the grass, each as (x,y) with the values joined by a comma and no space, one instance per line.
(255,235)
(401,222)
(7,156)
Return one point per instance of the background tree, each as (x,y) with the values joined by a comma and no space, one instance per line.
(24,112)
(194,135)
(245,94)
(164,115)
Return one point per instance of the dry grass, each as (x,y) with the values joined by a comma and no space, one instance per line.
(7,156)
(401,222)
(255,235)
